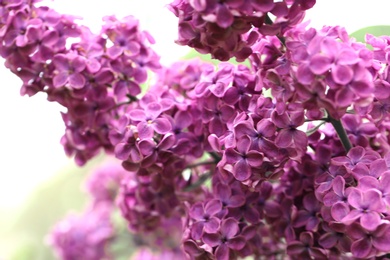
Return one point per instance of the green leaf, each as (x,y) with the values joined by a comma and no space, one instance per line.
(377,30)
(207,57)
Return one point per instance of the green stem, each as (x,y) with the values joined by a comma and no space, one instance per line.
(202,179)
(340,130)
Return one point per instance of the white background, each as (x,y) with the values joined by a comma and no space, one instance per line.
(31,128)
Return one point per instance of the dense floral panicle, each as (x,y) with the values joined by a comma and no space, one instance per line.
(104,182)
(146,199)
(85,236)
(329,60)
(89,77)
(226,28)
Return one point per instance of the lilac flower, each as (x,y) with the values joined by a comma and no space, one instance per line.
(309,215)
(367,206)
(304,247)
(382,185)
(368,244)
(19,29)
(150,120)
(289,136)
(227,240)
(204,218)
(335,236)
(338,192)
(240,161)
(85,236)
(69,68)
(104,182)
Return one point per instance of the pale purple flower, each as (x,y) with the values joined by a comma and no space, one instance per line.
(226,240)
(367,206)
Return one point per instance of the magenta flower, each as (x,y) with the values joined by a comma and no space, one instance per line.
(304,247)
(85,236)
(226,240)
(150,120)
(241,160)
(204,218)
(367,206)
(368,244)
(69,69)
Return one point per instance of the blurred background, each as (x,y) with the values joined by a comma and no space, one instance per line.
(39,185)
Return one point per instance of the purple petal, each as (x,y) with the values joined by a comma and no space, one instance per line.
(330,199)
(162,125)
(218,89)
(199,5)
(211,239)
(167,142)
(76,81)
(339,185)
(284,139)
(145,130)
(355,198)
(370,220)
(373,199)
(328,240)
(304,74)
(339,211)
(350,217)
(114,52)
(197,211)
(356,153)
(223,191)
(222,252)
(232,156)
(361,248)
(266,127)
(224,16)
(61,62)
(295,248)
(147,147)
(229,228)
(368,182)
(320,64)
(137,115)
(382,242)
(236,201)
(263,5)
(342,74)
(153,110)
(344,97)
(242,171)
(213,207)
(236,243)
(212,225)
(183,119)
(244,144)
(197,230)
(347,57)
(254,158)
(60,79)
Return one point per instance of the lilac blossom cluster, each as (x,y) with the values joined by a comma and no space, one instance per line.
(285,159)
(90,75)
(229,28)
(90,235)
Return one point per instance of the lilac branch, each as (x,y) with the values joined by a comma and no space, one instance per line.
(342,134)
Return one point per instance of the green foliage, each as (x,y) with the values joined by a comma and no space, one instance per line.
(207,57)
(377,30)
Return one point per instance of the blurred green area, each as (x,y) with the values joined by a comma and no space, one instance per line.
(377,30)
(23,231)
